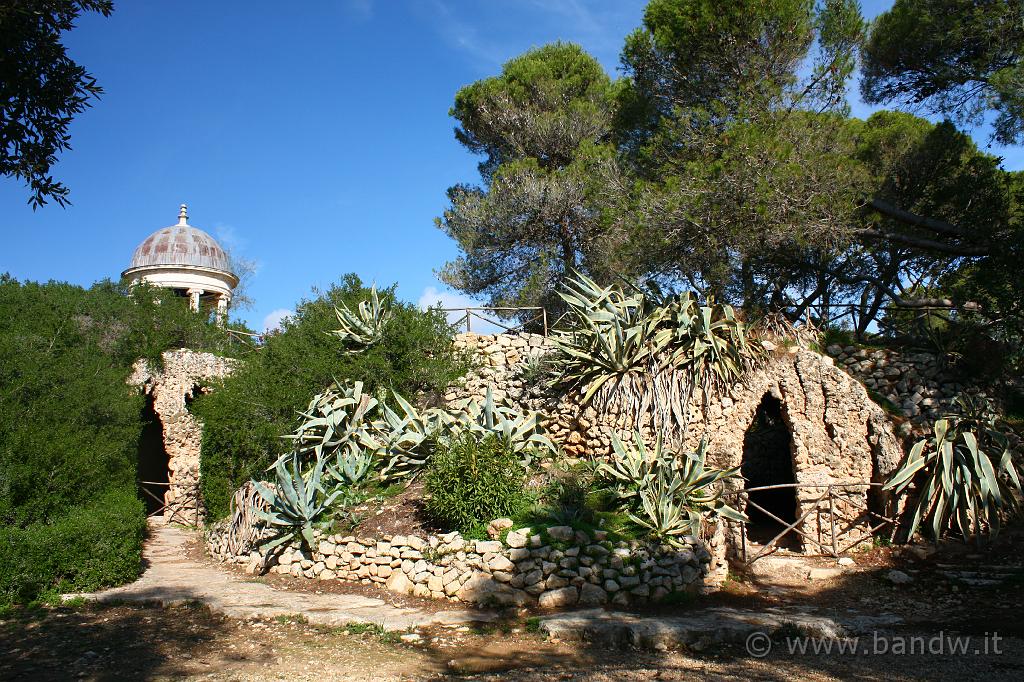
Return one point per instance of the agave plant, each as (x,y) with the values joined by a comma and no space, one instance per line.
(965,473)
(337,424)
(364,326)
(295,503)
(642,355)
(522,432)
(669,494)
(404,435)
(353,467)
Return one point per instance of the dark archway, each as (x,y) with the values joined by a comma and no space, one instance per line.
(152,460)
(768,461)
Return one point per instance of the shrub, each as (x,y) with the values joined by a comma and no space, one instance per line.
(248,412)
(470,481)
(70,426)
(87,548)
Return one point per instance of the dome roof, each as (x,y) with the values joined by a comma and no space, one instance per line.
(180,244)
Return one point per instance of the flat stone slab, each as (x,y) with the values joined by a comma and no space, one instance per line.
(172,578)
(698,630)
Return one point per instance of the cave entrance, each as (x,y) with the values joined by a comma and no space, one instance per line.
(768,461)
(153,460)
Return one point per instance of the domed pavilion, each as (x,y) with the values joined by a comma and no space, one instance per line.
(188,261)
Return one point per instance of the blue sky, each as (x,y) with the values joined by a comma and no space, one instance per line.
(314,140)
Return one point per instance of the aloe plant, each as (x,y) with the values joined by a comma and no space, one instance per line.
(364,326)
(668,493)
(295,503)
(965,474)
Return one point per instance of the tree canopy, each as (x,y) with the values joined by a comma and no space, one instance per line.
(543,127)
(961,58)
(725,161)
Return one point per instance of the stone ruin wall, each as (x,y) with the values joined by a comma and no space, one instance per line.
(171,388)
(838,434)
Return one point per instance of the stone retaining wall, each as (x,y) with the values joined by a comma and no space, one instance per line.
(554,567)
(837,433)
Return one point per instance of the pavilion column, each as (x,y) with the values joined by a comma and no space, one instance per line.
(222,309)
(193,298)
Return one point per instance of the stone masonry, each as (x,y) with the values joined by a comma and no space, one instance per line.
(839,435)
(554,567)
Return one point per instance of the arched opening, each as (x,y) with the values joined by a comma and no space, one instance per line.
(768,461)
(152,460)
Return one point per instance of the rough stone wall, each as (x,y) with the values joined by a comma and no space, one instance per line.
(917,383)
(501,362)
(555,567)
(177,382)
(838,434)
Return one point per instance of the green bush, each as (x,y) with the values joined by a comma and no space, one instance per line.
(70,424)
(87,548)
(248,412)
(471,481)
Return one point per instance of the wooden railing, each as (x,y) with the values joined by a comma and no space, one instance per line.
(824,506)
(536,314)
(193,489)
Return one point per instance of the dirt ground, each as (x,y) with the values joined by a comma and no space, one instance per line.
(152,643)
(140,642)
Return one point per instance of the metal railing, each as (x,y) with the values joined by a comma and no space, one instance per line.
(537,314)
(164,506)
(823,505)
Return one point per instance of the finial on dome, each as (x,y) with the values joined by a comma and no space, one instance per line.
(183,215)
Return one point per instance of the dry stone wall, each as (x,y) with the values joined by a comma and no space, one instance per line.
(918,384)
(171,387)
(555,567)
(838,434)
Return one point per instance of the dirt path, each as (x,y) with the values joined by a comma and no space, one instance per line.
(171,577)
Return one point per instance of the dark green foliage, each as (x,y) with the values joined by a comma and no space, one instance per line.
(69,423)
(962,58)
(247,413)
(544,127)
(41,89)
(471,481)
(84,549)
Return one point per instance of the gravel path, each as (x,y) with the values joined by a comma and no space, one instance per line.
(171,577)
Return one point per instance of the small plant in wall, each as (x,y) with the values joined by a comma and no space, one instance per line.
(669,494)
(964,474)
(297,502)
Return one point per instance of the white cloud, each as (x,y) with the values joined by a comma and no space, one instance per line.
(432,297)
(361,9)
(273,319)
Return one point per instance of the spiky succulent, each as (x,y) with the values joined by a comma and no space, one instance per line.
(364,326)
(965,473)
(643,356)
(667,493)
(523,433)
(297,501)
(336,424)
